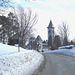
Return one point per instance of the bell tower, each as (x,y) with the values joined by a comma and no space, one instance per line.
(50,34)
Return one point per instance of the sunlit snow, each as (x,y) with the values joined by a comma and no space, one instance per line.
(13,62)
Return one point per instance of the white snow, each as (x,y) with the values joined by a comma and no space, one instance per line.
(13,62)
(5,49)
(63,51)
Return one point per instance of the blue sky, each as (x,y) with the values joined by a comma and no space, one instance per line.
(48,4)
(55,10)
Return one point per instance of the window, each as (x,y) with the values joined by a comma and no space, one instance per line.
(53,31)
(49,31)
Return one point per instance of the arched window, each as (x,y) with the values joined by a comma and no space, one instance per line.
(49,31)
(53,31)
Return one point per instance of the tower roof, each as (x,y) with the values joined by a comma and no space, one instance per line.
(38,38)
(50,24)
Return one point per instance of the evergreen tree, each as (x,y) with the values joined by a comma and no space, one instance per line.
(9,27)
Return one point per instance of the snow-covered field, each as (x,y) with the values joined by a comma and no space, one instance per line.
(13,62)
(63,51)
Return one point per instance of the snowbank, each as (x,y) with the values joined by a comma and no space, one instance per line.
(18,63)
(7,49)
(63,51)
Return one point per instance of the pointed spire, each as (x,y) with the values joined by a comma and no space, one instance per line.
(38,38)
(50,24)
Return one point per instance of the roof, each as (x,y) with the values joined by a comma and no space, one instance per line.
(44,41)
(50,24)
(38,38)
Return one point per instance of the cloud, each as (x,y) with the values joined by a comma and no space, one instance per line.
(60,14)
(57,5)
(57,18)
(17,1)
(50,4)
(65,2)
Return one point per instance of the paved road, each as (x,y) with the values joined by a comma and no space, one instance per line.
(58,64)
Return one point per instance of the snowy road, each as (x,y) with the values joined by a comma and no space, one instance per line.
(58,64)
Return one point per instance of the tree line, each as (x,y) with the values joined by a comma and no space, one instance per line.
(18,26)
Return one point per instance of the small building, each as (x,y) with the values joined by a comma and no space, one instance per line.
(35,43)
(39,43)
(32,43)
(45,45)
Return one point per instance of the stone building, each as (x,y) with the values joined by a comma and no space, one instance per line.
(52,43)
(51,34)
(35,43)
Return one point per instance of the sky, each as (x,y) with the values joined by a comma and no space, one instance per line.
(56,10)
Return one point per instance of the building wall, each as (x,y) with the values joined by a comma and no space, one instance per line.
(51,35)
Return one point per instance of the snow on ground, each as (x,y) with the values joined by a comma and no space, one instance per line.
(63,51)
(18,63)
(5,49)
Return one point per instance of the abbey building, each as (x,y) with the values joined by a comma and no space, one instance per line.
(50,44)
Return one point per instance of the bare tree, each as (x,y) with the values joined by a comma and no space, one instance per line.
(26,21)
(57,42)
(64,33)
(5,3)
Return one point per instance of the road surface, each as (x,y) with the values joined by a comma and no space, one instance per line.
(58,64)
